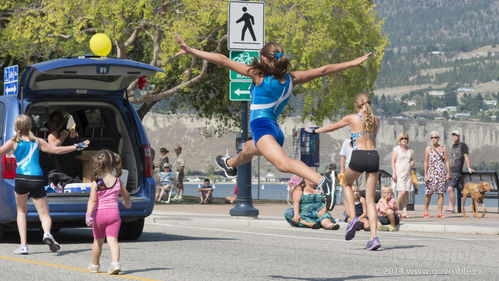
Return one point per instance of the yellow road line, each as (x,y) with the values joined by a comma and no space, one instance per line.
(72,268)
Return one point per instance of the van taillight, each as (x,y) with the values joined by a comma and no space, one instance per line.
(147,160)
(9,166)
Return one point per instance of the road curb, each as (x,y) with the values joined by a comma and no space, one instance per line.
(267,221)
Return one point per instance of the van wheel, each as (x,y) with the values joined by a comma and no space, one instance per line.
(131,230)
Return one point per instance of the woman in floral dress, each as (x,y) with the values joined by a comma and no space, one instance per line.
(436,167)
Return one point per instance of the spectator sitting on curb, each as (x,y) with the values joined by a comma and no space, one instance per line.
(360,208)
(309,208)
(388,211)
(205,192)
(231,199)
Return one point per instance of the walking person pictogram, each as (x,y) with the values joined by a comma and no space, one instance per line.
(249,21)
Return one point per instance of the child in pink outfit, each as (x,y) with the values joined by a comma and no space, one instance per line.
(388,211)
(103,213)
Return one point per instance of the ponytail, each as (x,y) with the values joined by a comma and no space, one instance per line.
(276,64)
(362,101)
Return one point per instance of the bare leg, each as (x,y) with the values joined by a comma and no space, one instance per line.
(402,201)
(274,153)
(451,198)
(97,250)
(348,178)
(161,193)
(22,210)
(327,224)
(201,196)
(427,201)
(243,157)
(440,203)
(306,223)
(42,207)
(391,217)
(115,248)
(371,180)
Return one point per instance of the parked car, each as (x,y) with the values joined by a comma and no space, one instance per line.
(91,93)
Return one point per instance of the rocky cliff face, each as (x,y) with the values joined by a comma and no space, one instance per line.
(200,150)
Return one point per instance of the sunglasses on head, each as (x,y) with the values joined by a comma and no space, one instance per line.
(434,137)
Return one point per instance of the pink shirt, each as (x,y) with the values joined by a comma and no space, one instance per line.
(108,198)
(381,206)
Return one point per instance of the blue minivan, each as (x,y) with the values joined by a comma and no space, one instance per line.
(91,92)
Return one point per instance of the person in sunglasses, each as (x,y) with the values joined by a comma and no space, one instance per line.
(401,171)
(436,172)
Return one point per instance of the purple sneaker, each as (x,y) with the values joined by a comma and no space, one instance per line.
(352,227)
(373,245)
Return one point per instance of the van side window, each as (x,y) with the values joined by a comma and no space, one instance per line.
(2,119)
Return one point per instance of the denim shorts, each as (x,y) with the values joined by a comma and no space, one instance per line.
(265,126)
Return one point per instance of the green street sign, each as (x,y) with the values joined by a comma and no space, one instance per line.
(245,57)
(239,91)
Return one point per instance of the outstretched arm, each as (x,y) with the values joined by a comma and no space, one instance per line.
(215,58)
(47,147)
(300,77)
(334,126)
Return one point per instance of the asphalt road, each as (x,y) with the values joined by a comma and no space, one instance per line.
(178,249)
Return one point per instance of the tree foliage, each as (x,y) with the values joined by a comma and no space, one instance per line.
(313,33)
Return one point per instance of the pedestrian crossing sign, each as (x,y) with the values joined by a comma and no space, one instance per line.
(246,25)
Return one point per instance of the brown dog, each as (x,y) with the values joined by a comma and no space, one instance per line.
(477,193)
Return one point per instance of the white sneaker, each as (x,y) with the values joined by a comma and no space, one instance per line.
(94,268)
(22,250)
(114,268)
(49,240)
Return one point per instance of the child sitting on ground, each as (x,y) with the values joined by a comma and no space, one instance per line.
(388,211)
(360,208)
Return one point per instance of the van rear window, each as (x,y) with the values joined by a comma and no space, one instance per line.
(103,78)
(94,116)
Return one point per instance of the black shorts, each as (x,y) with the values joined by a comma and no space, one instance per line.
(385,220)
(456,181)
(364,161)
(34,185)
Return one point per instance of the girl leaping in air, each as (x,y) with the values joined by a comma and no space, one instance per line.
(270,92)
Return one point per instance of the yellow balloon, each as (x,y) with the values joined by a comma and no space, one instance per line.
(100,44)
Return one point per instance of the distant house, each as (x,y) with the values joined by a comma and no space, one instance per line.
(410,103)
(490,102)
(436,93)
(466,90)
(462,115)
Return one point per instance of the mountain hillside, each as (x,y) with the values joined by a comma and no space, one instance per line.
(436,42)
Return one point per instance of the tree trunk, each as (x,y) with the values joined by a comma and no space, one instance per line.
(145,107)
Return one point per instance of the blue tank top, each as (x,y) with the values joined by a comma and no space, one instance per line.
(27,158)
(269,98)
(355,136)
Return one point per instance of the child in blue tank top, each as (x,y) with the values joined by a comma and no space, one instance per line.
(270,92)
(30,180)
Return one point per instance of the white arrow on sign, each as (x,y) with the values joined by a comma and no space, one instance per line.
(10,89)
(238,92)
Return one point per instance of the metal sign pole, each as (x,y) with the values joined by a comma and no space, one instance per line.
(244,201)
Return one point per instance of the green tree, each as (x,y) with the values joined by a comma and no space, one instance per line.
(313,32)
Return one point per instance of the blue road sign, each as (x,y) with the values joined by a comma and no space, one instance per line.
(10,75)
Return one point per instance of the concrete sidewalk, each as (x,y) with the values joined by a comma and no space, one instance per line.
(272,214)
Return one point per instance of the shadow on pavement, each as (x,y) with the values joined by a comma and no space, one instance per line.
(400,247)
(159,236)
(354,277)
(145,270)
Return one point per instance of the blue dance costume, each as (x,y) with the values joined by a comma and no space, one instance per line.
(267,102)
(29,175)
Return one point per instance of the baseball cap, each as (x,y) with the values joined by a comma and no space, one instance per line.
(455,132)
